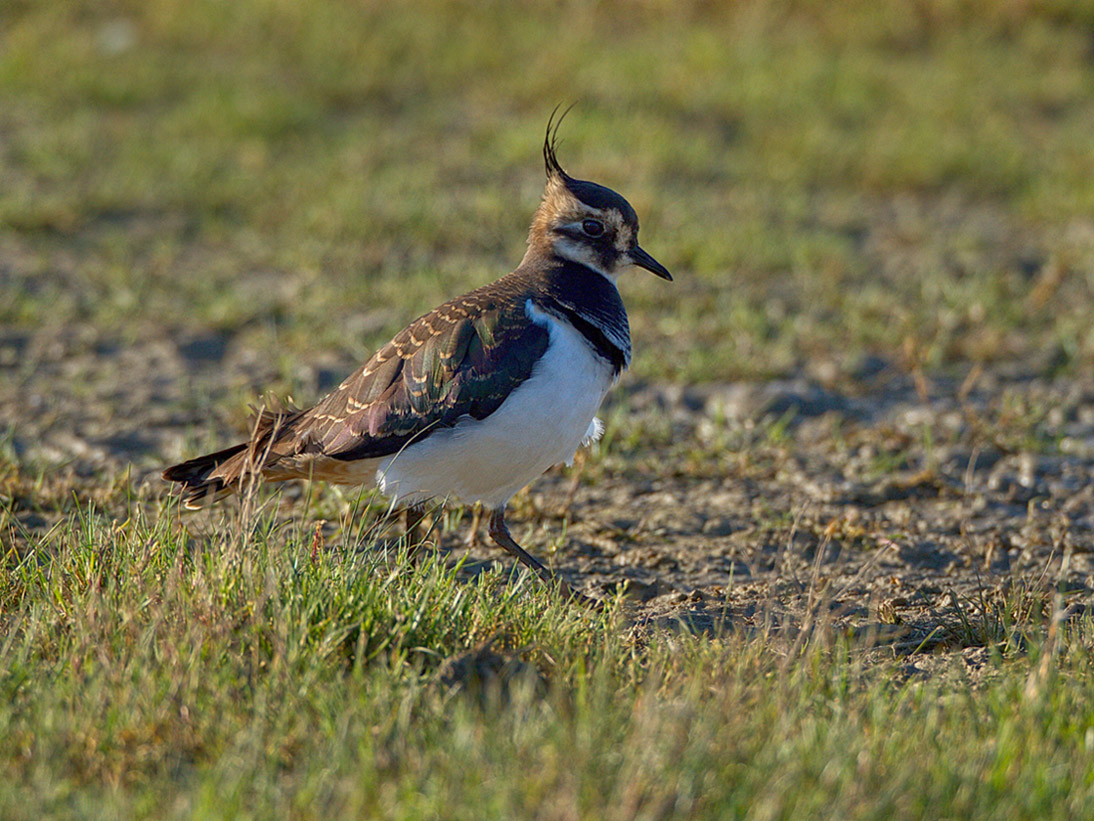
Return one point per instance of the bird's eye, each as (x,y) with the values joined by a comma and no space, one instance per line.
(593,228)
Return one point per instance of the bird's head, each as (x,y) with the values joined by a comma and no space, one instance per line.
(587,223)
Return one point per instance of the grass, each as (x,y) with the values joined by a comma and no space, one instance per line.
(828,184)
(148,672)
(834,185)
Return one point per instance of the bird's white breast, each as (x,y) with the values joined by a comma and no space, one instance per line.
(542,423)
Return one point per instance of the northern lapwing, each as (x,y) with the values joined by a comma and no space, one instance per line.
(477,398)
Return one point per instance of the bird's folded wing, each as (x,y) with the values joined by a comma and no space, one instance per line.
(459,360)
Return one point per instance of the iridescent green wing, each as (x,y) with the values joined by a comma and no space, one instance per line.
(463,359)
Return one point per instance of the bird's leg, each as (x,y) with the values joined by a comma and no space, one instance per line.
(499,532)
(472,539)
(413,517)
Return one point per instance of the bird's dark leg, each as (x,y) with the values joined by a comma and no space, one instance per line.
(413,517)
(499,532)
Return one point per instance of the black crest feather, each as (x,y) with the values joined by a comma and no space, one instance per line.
(550,143)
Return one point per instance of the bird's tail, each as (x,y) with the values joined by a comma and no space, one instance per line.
(209,478)
(212,477)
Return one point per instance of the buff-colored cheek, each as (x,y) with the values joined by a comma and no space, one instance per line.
(623,239)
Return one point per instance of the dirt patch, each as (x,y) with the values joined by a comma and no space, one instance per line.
(926,511)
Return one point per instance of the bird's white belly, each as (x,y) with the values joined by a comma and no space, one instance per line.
(542,423)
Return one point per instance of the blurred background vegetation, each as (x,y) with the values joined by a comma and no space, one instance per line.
(834,184)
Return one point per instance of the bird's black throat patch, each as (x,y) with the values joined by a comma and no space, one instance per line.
(591,303)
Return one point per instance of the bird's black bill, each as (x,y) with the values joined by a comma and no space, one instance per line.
(644,260)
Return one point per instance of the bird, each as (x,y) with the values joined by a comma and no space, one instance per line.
(477,398)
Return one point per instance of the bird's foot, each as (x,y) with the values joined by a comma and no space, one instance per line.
(499,532)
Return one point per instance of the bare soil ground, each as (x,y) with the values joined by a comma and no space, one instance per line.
(922,511)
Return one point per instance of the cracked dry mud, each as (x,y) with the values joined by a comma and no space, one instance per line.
(893,505)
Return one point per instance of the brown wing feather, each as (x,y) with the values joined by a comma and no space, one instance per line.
(461,359)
